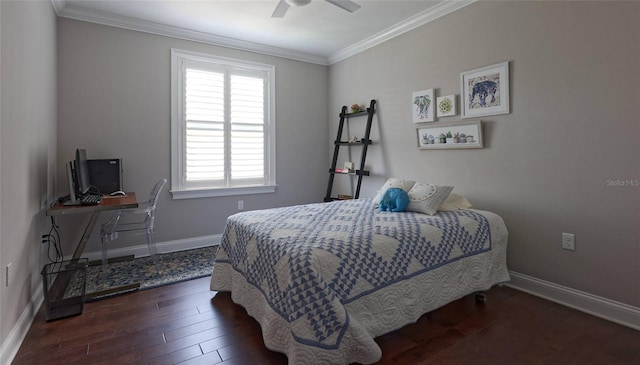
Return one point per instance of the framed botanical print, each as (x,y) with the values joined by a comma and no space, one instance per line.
(423,106)
(446,105)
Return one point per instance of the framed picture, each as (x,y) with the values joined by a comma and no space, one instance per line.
(450,135)
(446,106)
(423,105)
(485,91)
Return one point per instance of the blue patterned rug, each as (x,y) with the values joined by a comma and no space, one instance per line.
(170,268)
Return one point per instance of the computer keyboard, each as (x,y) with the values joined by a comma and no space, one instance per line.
(91,199)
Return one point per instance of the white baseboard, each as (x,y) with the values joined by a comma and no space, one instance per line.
(17,334)
(610,310)
(162,247)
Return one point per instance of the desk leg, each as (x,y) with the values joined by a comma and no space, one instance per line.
(62,279)
(86,235)
(80,248)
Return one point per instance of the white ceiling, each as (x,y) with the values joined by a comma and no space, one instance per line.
(318,32)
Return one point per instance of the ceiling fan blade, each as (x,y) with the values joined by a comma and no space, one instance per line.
(281,9)
(347,5)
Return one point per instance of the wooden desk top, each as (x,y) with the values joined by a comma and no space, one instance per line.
(108,203)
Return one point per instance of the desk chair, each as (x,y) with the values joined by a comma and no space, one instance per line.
(145,213)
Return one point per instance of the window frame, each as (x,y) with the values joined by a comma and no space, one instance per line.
(178,128)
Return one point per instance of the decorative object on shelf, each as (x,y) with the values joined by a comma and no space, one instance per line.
(356,108)
(354,139)
(446,106)
(485,91)
(422,102)
(450,135)
(349,166)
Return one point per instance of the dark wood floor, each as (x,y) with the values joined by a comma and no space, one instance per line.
(184,323)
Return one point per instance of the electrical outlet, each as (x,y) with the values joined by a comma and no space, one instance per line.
(9,274)
(569,241)
(240,204)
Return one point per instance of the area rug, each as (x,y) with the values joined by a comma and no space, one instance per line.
(170,268)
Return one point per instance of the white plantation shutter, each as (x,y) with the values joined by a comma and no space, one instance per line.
(222,135)
(204,98)
(247,127)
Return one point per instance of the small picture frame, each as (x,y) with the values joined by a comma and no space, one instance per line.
(450,135)
(485,91)
(423,104)
(446,106)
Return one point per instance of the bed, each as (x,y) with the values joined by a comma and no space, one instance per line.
(323,280)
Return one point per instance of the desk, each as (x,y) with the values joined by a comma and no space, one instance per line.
(56,292)
(107,203)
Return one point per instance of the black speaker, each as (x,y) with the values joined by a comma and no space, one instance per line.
(106,174)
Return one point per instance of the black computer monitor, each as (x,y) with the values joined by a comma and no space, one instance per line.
(82,171)
(105,174)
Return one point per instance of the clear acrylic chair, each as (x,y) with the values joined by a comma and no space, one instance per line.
(141,223)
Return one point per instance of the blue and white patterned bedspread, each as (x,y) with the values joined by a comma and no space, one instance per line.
(311,261)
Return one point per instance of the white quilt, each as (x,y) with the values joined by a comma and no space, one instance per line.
(324,279)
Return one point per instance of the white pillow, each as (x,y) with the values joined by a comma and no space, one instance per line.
(393,182)
(427,198)
(454,202)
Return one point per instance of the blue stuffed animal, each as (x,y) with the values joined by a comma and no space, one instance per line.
(394,200)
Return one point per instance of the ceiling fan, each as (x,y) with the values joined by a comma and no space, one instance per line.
(283,6)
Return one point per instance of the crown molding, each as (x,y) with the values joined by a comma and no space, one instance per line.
(437,11)
(71,12)
(58,5)
(443,8)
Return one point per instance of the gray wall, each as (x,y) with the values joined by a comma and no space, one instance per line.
(547,166)
(114,101)
(27,148)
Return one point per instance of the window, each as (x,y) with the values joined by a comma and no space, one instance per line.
(222,126)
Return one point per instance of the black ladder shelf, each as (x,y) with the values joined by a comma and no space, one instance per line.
(339,142)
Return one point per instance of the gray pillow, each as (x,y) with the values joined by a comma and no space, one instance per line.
(427,198)
(454,202)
